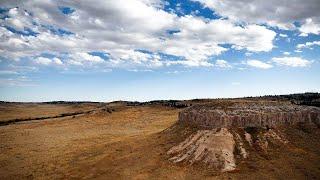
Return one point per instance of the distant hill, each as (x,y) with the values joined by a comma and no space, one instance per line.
(308,98)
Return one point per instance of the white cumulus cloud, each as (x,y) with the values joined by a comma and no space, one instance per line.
(291,61)
(280,13)
(222,64)
(259,64)
(308,44)
(48,61)
(310,26)
(121,28)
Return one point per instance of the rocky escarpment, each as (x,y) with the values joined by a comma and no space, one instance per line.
(228,131)
(249,115)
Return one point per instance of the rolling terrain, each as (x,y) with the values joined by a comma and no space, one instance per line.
(131,140)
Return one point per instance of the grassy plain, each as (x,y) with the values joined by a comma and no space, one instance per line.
(130,142)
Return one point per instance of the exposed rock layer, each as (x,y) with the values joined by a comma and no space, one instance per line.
(212,147)
(218,144)
(249,115)
(221,148)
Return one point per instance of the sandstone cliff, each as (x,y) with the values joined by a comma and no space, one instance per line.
(227,131)
(249,115)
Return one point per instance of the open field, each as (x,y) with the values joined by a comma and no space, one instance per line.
(34,110)
(131,142)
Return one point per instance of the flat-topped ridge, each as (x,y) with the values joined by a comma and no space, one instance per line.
(248,114)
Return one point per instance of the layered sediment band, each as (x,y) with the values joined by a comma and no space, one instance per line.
(249,115)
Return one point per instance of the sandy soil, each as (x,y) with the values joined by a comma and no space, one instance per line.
(131,143)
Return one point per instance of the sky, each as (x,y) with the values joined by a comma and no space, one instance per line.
(143,50)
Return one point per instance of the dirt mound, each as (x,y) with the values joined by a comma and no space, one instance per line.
(213,147)
(222,148)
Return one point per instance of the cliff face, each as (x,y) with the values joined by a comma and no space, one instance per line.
(223,139)
(249,115)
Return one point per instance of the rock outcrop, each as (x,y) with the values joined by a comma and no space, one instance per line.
(213,147)
(226,132)
(249,115)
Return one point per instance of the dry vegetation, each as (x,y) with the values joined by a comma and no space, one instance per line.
(131,142)
(34,110)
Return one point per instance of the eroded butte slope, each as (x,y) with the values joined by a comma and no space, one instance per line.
(227,132)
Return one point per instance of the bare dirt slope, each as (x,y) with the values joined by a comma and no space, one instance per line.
(132,143)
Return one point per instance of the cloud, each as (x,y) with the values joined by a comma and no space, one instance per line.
(308,44)
(140,70)
(189,63)
(310,26)
(18,19)
(85,57)
(286,53)
(248,54)
(16,81)
(47,61)
(222,64)
(259,64)
(8,72)
(176,72)
(283,35)
(121,29)
(57,61)
(277,13)
(291,61)
(22,68)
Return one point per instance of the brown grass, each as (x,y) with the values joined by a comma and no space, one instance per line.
(131,142)
(33,110)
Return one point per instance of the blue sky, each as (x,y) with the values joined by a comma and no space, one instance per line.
(156,49)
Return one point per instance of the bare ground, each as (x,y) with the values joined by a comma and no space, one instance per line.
(132,142)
